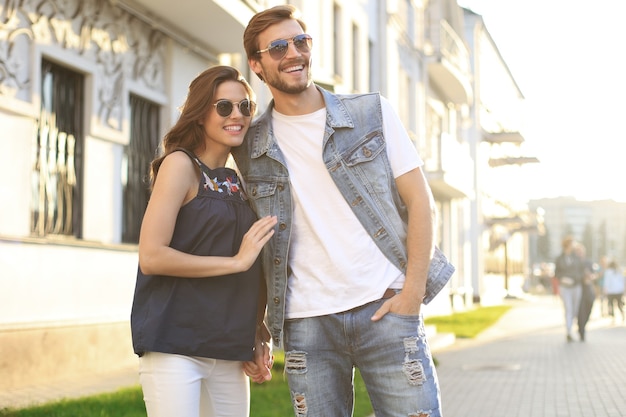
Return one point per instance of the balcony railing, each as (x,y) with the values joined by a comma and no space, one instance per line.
(450,68)
(448,166)
(452,48)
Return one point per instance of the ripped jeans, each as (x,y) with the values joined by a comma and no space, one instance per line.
(392,356)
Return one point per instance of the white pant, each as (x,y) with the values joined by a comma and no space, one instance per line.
(571,297)
(188,386)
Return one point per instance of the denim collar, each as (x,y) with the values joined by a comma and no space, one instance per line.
(337,116)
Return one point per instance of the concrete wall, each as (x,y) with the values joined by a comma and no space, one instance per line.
(30,356)
(64,310)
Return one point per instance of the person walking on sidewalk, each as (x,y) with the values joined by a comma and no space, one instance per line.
(199,301)
(599,285)
(614,289)
(348,268)
(588,294)
(569,272)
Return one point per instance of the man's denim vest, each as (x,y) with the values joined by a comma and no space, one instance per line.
(355,155)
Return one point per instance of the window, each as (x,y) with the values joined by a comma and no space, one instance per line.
(404,98)
(356,59)
(58,154)
(434,133)
(337,41)
(141,149)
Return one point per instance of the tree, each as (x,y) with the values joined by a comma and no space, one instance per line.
(543,246)
(588,241)
(602,248)
(624,250)
(568,230)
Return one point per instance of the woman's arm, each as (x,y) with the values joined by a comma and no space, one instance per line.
(176,184)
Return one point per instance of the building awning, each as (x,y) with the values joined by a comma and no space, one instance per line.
(520,160)
(503,137)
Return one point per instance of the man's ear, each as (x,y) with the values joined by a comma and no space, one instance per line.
(256,67)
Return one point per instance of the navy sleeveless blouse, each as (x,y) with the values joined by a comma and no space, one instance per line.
(213,317)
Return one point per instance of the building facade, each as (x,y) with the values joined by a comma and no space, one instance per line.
(501,222)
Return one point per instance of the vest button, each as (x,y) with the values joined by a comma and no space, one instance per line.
(276,261)
(276,300)
(282,226)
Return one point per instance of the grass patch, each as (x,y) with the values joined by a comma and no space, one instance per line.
(127,402)
(270,399)
(468,324)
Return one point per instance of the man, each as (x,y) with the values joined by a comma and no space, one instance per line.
(348,265)
(588,294)
(569,272)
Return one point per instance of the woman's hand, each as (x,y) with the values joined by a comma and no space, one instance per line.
(254,240)
(259,369)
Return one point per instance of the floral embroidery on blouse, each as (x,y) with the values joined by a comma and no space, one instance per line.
(230,185)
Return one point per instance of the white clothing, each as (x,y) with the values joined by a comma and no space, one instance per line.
(335,265)
(613,281)
(571,297)
(189,386)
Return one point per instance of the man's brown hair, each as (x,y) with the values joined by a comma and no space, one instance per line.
(262,21)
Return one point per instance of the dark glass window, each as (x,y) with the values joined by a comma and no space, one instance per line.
(57,174)
(142,148)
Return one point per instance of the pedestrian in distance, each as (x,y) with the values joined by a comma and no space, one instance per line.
(199,300)
(588,294)
(569,272)
(353,258)
(599,285)
(614,289)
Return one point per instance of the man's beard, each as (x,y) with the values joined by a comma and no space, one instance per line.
(275,81)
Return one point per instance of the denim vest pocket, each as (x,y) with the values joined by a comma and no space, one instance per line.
(365,162)
(258,190)
(261,196)
(366,149)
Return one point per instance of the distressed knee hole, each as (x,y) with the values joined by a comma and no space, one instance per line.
(418,415)
(295,362)
(414,371)
(412,368)
(410,345)
(299,404)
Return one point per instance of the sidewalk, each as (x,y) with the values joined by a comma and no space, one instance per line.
(521,366)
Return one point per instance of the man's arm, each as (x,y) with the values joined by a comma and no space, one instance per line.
(416,194)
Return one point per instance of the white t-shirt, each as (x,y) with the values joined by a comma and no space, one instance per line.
(335,264)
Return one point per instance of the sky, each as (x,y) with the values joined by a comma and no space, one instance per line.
(569,59)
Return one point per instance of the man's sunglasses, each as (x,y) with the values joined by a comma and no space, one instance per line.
(225,107)
(278,48)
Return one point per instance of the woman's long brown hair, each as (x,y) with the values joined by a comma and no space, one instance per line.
(188,132)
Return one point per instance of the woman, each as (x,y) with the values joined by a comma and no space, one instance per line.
(569,271)
(197,313)
(614,289)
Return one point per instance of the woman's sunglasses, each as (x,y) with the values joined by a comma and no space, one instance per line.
(225,107)
(278,48)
